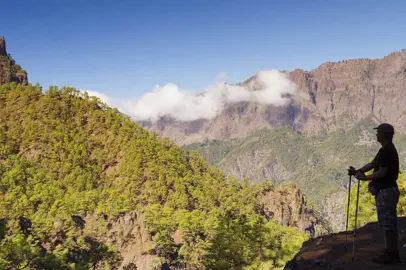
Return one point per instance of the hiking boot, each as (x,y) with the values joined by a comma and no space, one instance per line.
(388,257)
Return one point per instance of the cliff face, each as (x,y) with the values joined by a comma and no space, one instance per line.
(343,93)
(9,70)
(289,207)
(331,96)
(128,234)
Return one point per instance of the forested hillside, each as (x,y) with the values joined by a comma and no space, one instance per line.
(83,186)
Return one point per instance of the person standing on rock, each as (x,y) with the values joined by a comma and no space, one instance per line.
(384,186)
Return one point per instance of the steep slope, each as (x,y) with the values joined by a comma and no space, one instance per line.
(331,96)
(82,186)
(9,70)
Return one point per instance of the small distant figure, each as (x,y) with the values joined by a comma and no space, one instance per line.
(311,230)
(384,187)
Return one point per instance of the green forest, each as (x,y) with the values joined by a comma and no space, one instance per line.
(65,156)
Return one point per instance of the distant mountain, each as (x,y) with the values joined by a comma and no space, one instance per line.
(9,70)
(332,96)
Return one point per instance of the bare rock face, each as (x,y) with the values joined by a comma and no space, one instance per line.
(3,46)
(345,92)
(334,95)
(129,235)
(288,206)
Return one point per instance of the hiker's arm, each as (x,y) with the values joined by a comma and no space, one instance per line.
(367,167)
(382,171)
(384,161)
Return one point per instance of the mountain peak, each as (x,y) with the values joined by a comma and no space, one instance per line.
(3,50)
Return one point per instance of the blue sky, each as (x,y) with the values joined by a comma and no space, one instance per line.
(124,48)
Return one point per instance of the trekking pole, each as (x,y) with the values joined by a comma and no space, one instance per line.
(348,211)
(355,226)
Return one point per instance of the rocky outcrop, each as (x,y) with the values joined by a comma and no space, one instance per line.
(288,206)
(329,252)
(9,70)
(128,234)
(3,46)
(334,95)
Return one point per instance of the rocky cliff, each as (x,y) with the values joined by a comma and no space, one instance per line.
(289,206)
(9,70)
(334,95)
(3,46)
(345,92)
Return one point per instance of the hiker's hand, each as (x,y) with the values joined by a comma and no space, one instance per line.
(360,176)
(352,171)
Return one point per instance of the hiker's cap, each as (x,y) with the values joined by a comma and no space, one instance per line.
(385,127)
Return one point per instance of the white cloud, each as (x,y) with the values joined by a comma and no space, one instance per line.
(183,105)
(103,97)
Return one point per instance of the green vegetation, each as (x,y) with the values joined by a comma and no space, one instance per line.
(65,155)
(213,151)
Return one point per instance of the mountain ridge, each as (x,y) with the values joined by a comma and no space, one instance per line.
(333,95)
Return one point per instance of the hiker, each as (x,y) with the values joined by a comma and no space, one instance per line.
(385,189)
